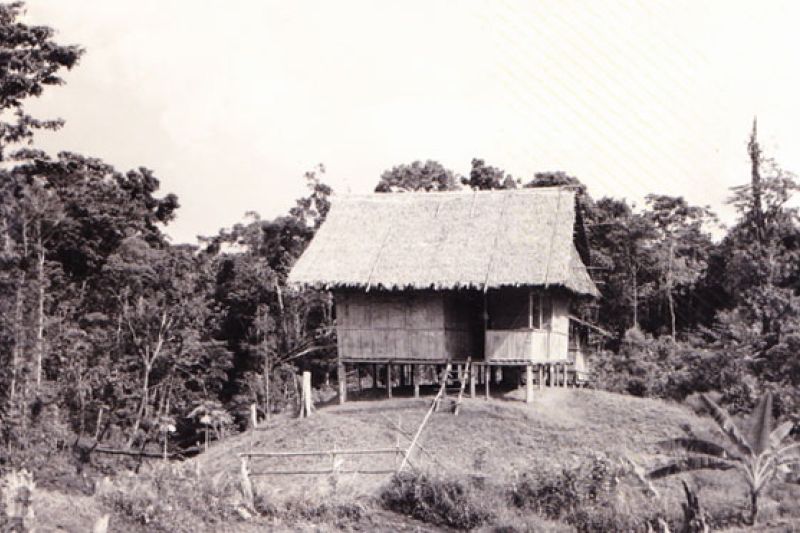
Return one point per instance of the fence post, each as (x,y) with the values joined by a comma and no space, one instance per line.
(253,424)
(306,403)
(397,443)
(334,468)
(247,485)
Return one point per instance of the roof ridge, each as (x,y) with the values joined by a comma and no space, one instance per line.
(465,192)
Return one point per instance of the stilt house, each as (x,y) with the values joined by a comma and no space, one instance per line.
(430,278)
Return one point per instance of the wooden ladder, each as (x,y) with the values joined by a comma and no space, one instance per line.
(442,394)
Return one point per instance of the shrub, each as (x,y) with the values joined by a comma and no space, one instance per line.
(332,512)
(16,501)
(586,497)
(171,499)
(438,501)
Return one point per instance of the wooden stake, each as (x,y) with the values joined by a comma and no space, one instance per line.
(487,379)
(306,403)
(417,376)
(389,380)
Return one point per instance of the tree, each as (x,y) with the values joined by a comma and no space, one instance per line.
(159,300)
(681,246)
(270,328)
(484,177)
(428,176)
(756,272)
(556,178)
(758,455)
(622,261)
(30,61)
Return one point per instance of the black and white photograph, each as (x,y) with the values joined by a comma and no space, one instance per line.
(501,266)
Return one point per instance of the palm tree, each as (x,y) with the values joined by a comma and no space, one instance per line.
(758,455)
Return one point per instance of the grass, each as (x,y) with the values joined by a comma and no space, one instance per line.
(501,437)
(479,459)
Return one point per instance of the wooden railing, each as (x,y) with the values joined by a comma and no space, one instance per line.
(516,345)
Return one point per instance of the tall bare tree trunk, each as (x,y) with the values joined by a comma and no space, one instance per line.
(267,390)
(17,353)
(40,281)
(670,299)
(754,151)
(635,299)
(142,405)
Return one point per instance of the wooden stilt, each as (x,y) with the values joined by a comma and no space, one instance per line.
(341,375)
(541,377)
(564,372)
(473,370)
(417,377)
(358,378)
(486,379)
(529,383)
(550,376)
(389,380)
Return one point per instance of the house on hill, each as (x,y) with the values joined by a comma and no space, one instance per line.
(430,278)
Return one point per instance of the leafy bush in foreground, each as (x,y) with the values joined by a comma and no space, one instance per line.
(439,501)
(759,455)
(584,497)
(171,499)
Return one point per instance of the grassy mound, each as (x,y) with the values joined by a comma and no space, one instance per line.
(563,463)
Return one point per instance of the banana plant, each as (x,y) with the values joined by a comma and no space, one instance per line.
(758,454)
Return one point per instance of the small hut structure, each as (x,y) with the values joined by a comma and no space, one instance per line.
(431,278)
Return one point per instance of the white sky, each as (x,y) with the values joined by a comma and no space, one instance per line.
(229,102)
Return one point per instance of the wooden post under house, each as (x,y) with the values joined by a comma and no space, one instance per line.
(341,376)
(529,383)
(472,378)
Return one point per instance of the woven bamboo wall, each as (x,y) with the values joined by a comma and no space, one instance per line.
(405,326)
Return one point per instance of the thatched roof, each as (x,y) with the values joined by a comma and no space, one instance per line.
(483,239)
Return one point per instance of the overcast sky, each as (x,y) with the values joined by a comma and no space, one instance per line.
(230,102)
